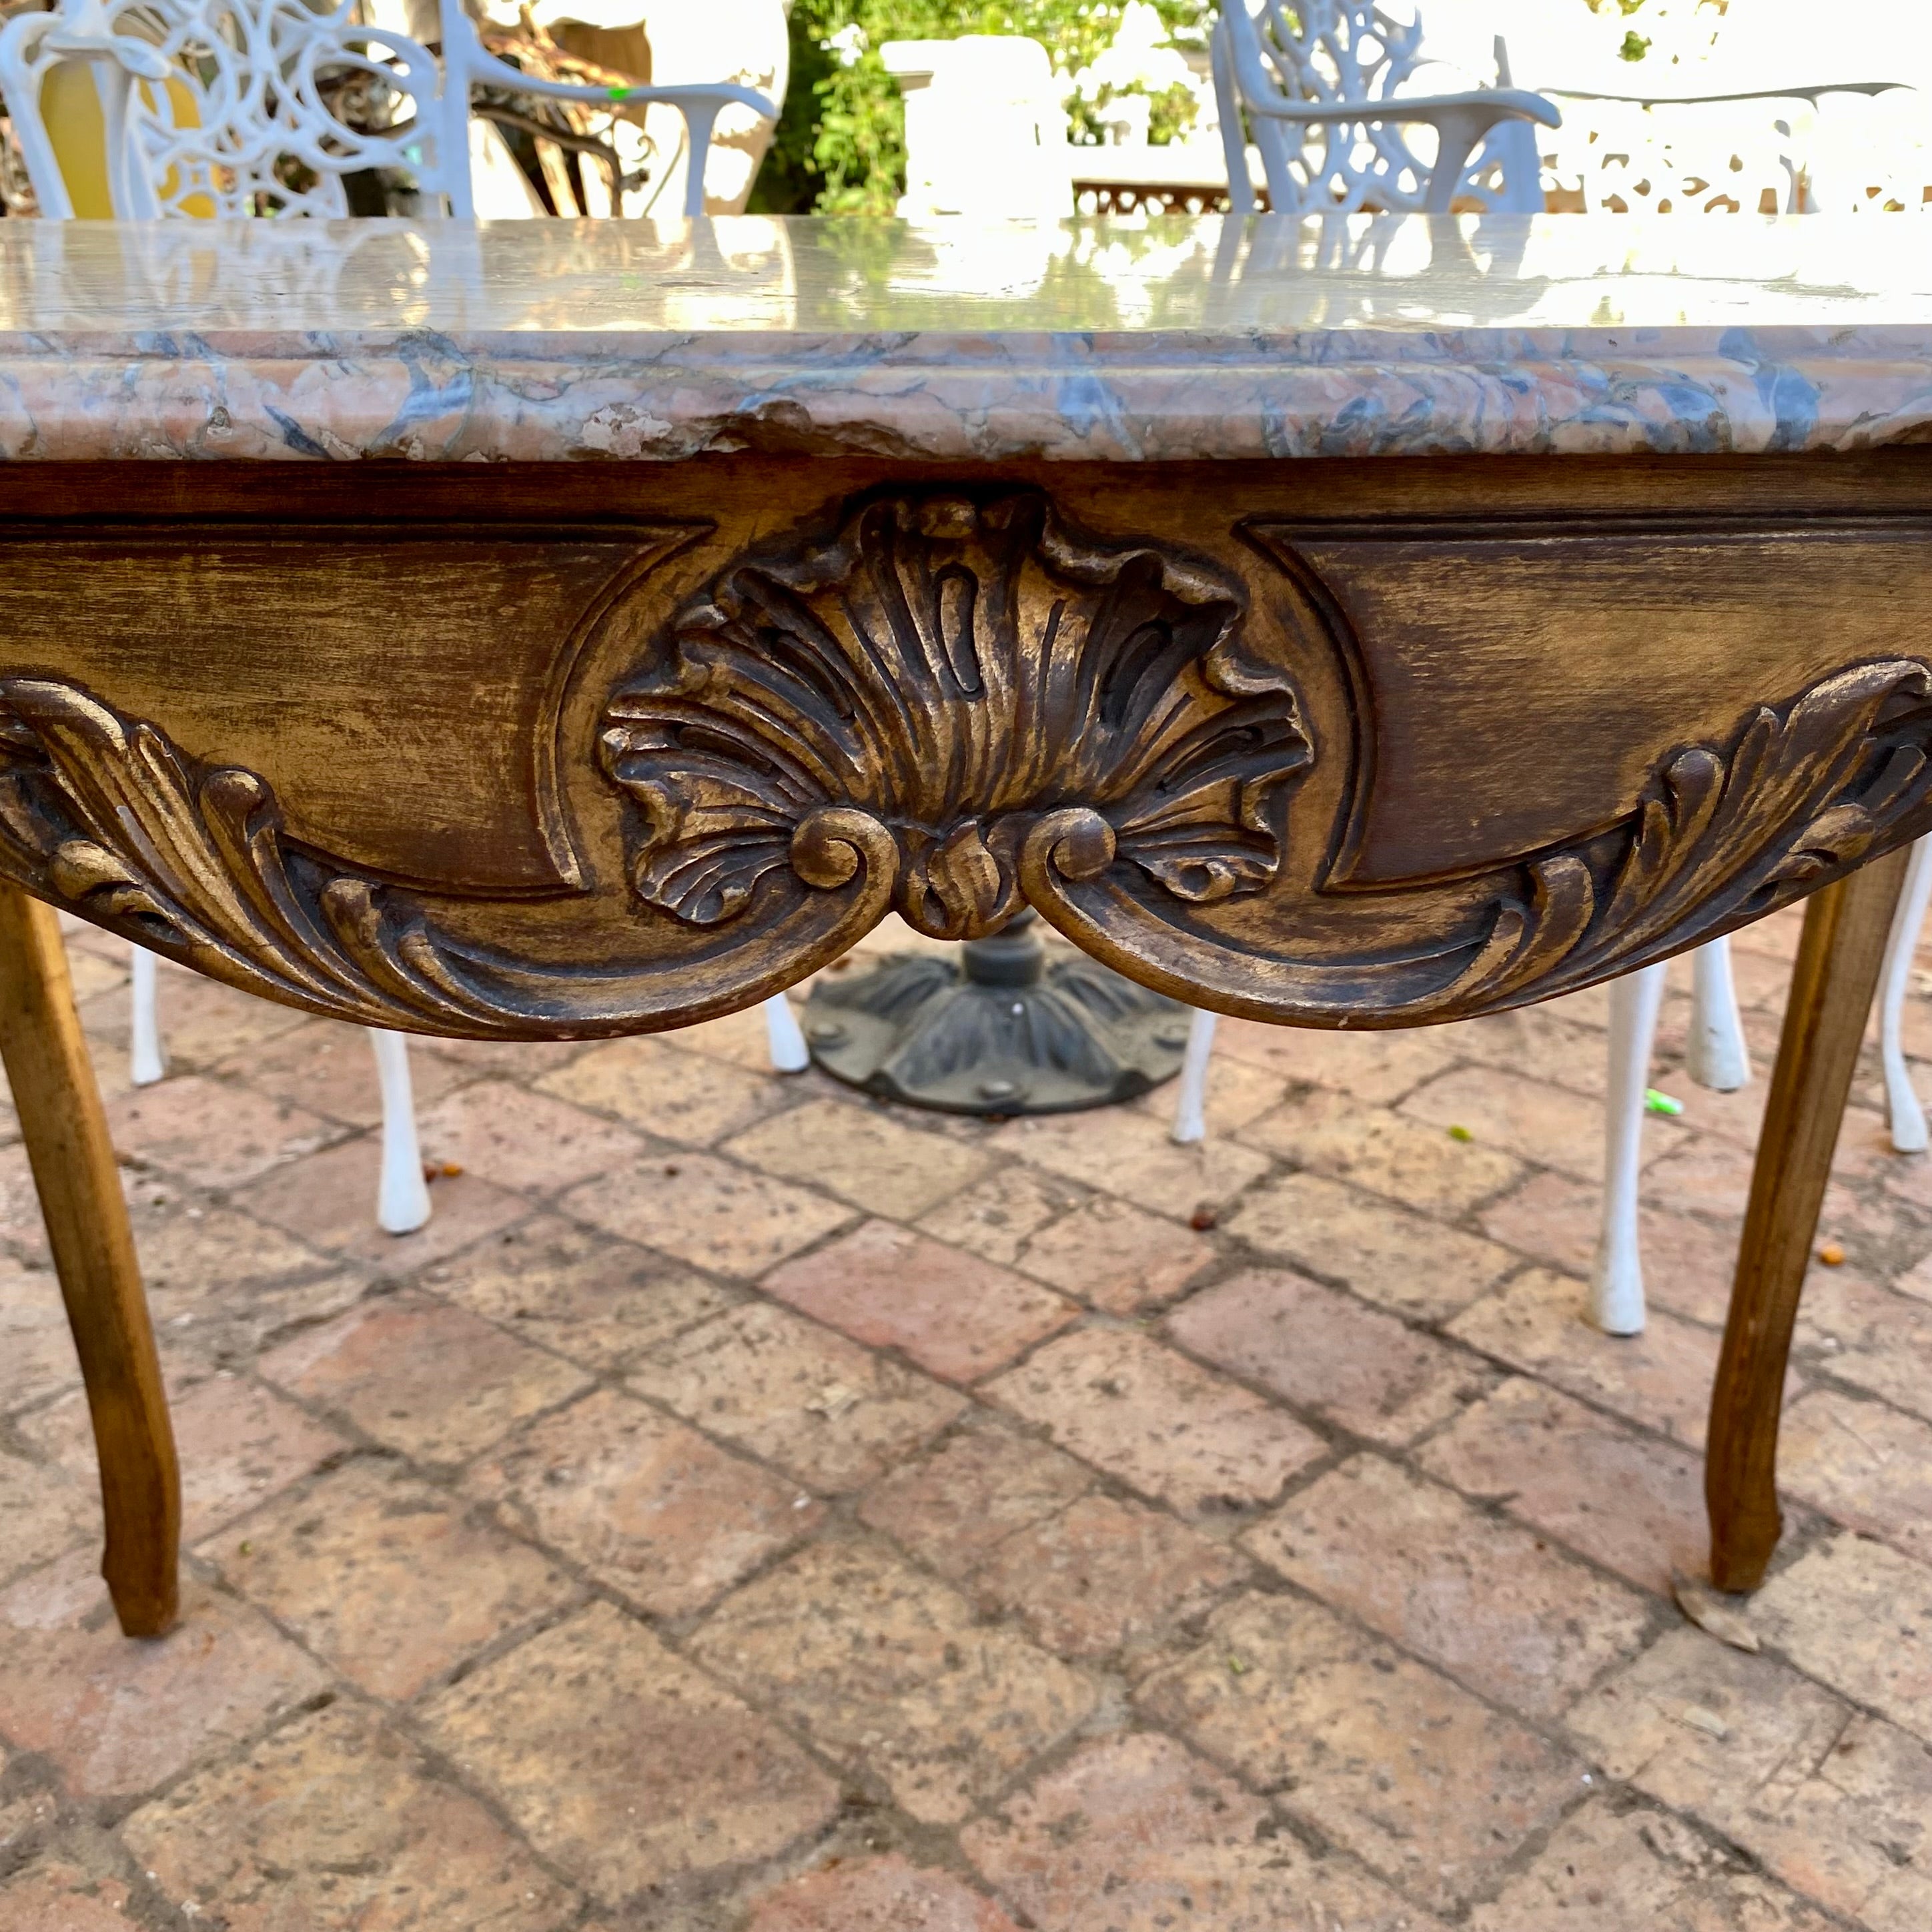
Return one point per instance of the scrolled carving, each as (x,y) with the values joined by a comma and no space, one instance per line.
(1722,833)
(922,693)
(104,815)
(1098,740)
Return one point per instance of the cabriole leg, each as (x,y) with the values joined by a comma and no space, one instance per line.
(1831,989)
(66,1137)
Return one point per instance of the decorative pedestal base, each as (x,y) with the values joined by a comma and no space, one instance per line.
(997,1029)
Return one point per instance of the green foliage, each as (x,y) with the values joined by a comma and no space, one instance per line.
(840,146)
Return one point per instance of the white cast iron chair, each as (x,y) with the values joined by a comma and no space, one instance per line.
(141,108)
(1716,1057)
(199,107)
(1321,86)
(1741,108)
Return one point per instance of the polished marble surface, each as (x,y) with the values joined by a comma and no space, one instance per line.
(1186,338)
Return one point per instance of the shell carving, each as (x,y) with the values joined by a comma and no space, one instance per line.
(943,685)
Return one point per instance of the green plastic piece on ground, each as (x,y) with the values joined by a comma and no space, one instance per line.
(1460,1134)
(1655,1103)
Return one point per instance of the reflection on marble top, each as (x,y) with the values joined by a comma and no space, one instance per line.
(1186,338)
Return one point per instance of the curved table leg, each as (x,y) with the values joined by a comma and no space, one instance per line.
(1831,987)
(66,1136)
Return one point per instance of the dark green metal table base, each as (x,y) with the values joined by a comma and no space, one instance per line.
(999,1027)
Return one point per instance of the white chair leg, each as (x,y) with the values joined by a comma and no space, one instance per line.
(402,1197)
(1717,1056)
(790,1054)
(147,1061)
(1190,1111)
(1908,1117)
(1616,1279)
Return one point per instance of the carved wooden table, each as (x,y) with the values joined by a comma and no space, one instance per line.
(1342,626)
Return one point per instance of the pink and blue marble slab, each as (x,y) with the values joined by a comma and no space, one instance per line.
(1205,338)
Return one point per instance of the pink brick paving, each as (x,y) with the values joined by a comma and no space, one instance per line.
(747,1509)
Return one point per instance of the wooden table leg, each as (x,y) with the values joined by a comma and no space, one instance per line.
(1846,925)
(66,1135)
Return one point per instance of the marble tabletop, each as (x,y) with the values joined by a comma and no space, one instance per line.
(1186,338)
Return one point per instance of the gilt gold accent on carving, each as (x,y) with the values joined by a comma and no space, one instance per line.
(103,814)
(1724,833)
(1827,776)
(941,686)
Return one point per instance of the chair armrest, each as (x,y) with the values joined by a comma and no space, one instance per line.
(1487,105)
(485,69)
(468,64)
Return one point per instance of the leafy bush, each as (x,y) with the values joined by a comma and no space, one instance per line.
(840,146)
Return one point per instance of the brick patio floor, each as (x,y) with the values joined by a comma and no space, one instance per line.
(747,1509)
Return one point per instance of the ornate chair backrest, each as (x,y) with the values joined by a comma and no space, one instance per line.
(139,108)
(1331,53)
(1337,50)
(1833,149)
(228,107)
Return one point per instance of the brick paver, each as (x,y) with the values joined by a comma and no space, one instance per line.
(1120,1401)
(380,1576)
(1366,1243)
(624,1764)
(1487,1601)
(887,1895)
(958,1317)
(748,1507)
(643,1503)
(1360,1741)
(1626,1500)
(1326,1352)
(338,1820)
(888,1671)
(1138,1834)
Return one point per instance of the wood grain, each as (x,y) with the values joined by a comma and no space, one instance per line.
(1832,983)
(533,754)
(80,1188)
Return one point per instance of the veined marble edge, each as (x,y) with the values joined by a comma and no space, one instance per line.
(420,396)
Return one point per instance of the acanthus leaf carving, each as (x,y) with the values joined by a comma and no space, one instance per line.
(1721,834)
(1087,729)
(104,815)
(954,669)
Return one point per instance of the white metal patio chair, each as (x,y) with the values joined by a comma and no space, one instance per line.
(203,107)
(1320,85)
(402,1191)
